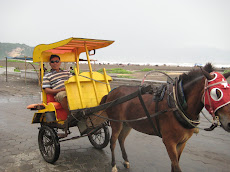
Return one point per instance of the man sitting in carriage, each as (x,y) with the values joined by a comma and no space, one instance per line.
(53,82)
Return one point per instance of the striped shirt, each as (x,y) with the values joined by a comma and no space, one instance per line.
(55,80)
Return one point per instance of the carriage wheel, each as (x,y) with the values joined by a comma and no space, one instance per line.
(48,144)
(100,138)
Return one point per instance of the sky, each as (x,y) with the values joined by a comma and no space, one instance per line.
(144,31)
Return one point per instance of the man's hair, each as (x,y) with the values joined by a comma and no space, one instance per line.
(53,56)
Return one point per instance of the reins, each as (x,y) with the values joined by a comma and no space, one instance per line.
(135,120)
(155,71)
(177,108)
(195,123)
(191,122)
(148,116)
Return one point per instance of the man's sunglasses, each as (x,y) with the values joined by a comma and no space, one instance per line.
(57,61)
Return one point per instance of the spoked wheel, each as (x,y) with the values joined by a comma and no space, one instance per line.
(48,144)
(100,138)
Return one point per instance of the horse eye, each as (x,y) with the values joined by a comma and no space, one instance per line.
(216,94)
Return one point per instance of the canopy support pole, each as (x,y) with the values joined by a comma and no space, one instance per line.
(91,74)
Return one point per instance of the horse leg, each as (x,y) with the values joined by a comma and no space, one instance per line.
(173,155)
(116,129)
(121,138)
(180,148)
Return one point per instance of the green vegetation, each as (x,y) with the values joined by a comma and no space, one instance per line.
(18,61)
(146,70)
(125,76)
(226,71)
(116,70)
(1,66)
(16,70)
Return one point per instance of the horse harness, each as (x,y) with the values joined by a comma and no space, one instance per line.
(176,103)
(175,99)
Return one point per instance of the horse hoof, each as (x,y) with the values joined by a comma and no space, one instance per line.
(114,169)
(126,164)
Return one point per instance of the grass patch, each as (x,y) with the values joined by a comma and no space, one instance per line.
(1,66)
(146,70)
(116,70)
(226,71)
(18,61)
(125,76)
(17,70)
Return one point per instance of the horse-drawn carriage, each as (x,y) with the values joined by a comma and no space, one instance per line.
(170,111)
(83,90)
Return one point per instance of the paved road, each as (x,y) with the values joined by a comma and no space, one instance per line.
(208,151)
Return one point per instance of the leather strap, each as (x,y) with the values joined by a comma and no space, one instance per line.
(147,113)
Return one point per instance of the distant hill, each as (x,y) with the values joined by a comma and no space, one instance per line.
(15,50)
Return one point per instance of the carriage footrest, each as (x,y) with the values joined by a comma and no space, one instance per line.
(61,135)
(36,107)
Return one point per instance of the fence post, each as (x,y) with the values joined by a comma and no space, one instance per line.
(25,69)
(6,69)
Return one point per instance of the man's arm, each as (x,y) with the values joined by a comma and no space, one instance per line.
(53,91)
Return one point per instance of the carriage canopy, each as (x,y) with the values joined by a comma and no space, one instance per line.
(68,49)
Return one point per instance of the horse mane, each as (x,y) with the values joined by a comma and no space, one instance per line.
(195,73)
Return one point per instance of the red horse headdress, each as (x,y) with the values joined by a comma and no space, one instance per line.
(217,93)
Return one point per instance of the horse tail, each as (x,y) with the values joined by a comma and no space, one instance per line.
(103,100)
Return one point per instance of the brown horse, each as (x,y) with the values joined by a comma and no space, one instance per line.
(174,131)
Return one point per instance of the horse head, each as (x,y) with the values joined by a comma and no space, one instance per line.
(217,97)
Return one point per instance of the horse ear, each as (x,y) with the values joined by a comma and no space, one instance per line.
(226,75)
(206,74)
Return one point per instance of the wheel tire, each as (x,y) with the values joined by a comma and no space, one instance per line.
(48,144)
(100,138)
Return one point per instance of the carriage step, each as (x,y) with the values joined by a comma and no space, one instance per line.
(36,106)
(62,135)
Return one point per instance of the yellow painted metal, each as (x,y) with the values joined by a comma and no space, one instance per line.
(44,100)
(80,90)
(48,108)
(91,75)
(77,63)
(106,80)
